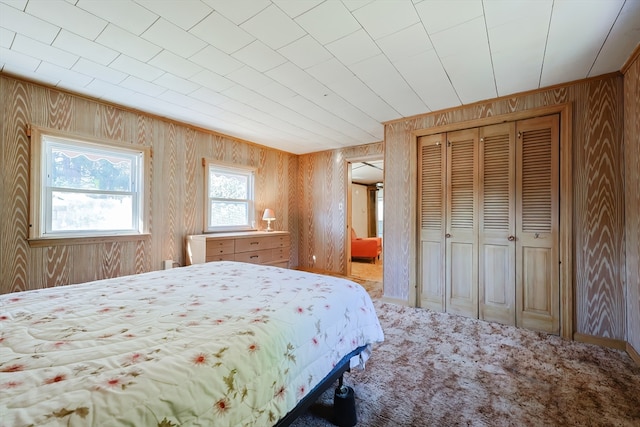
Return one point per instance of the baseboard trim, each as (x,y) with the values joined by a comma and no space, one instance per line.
(633,354)
(395,301)
(601,341)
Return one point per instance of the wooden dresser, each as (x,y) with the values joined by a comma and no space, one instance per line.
(257,247)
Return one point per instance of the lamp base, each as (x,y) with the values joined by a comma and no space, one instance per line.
(269,225)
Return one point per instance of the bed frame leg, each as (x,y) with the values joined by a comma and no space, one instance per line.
(344,405)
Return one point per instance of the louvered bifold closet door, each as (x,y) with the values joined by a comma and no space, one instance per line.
(432,169)
(496,239)
(461,256)
(537,224)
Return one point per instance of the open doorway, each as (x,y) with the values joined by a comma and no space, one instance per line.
(366,221)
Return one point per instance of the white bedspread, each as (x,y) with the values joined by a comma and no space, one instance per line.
(216,344)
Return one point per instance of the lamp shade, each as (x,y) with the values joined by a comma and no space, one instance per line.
(268,214)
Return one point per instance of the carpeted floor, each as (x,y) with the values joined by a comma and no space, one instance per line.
(436,369)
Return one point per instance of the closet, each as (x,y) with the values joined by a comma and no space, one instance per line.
(489,223)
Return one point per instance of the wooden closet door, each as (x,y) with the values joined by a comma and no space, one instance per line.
(537,224)
(496,239)
(432,167)
(461,275)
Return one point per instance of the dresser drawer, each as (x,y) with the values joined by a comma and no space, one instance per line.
(220,247)
(252,244)
(279,241)
(280,254)
(255,257)
(222,257)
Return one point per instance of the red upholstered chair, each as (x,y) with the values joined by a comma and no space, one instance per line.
(367,247)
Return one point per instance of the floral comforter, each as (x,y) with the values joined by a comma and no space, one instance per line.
(216,344)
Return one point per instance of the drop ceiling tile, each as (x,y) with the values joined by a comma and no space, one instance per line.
(249,78)
(380,75)
(112,93)
(43,51)
(238,11)
(30,26)
(297,80)
(209,96)
(242,94)
(28,74)
(273,27)
(276,92)
(18,60)
(212,80)
(173,38)
(68,16)
(63,74)
(136,68)
(305,52)
(259,56)
(590,23)
(184,14)
(123,41)
(176,83)
(315,22)
(6,37)
(342,81)
(294,8)
(517,34)
(426,76)
(85,48)
(330,71)
(464,52)
(622,40)
(216,60)
(127,15)
(383,18)
(136,84)
(408,42)
(353,5)
(98,71)
(218,31)
(353,48)
(440,15)
(175,64)
(18,4)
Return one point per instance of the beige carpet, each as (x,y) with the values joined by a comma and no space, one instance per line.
(436,369)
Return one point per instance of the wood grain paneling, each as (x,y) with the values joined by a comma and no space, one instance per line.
(599,217)
(322,201)
(16,189)
(632,200)
(600,247)
(176,184)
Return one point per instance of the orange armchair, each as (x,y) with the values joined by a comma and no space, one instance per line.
(368,247)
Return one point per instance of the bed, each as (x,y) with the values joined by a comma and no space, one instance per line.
(224,344)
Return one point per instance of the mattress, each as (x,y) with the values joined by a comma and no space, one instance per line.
(224,344)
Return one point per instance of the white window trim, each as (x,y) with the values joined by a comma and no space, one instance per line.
(232,168)
(37,188)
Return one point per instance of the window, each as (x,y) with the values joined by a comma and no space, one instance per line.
(229,201)
(85,188)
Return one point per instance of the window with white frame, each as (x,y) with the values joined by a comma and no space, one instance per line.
(87,188)
(229,201)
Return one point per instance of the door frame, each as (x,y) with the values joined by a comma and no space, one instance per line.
(348,161)
(567,309)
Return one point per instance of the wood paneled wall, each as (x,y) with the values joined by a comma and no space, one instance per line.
(598,198)
(322,200)
(176,186)
(632,197)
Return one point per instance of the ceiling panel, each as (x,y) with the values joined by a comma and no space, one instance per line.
(309,75)
(590,23)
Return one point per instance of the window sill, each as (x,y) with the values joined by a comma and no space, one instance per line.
(43,242)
